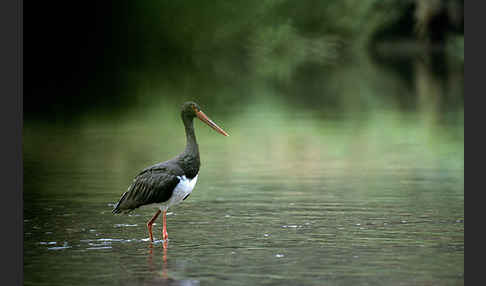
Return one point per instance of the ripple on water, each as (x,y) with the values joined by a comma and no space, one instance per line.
(64,246)
(125,225)
(47,243)
(98,247)
(291,226)
(58,247)
(105,243)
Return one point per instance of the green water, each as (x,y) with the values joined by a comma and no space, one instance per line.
(354,177)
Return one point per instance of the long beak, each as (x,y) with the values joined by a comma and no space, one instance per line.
(209,122)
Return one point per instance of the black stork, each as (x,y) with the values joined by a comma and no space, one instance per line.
(168,183)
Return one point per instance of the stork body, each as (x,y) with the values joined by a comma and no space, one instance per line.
(168,183)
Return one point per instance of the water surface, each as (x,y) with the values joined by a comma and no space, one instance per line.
(363,189)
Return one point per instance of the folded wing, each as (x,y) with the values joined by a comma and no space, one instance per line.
(149,187)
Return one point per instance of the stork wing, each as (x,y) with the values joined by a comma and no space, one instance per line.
(149,187)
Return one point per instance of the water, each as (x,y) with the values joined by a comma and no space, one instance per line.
(363,189)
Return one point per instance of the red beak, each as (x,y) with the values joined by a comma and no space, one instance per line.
(209,122)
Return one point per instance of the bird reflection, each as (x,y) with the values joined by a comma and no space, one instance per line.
(164,279)
(152,268)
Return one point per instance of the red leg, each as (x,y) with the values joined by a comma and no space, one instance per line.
(164,257)
(149,225)
(165,235)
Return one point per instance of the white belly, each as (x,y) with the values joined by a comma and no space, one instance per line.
(183,189)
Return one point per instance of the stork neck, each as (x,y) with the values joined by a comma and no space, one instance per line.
(191,143)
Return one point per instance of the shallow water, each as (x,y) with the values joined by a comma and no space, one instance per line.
(299,194)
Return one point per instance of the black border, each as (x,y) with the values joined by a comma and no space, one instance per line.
(11,84)
(475,90)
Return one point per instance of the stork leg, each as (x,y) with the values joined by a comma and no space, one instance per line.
(149,224)
(165,235)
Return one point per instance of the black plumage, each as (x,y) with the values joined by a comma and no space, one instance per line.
(151,186)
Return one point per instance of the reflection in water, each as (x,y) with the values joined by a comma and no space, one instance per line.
(164,258)
(163,278)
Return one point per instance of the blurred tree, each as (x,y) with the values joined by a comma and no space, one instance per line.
(74,60)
